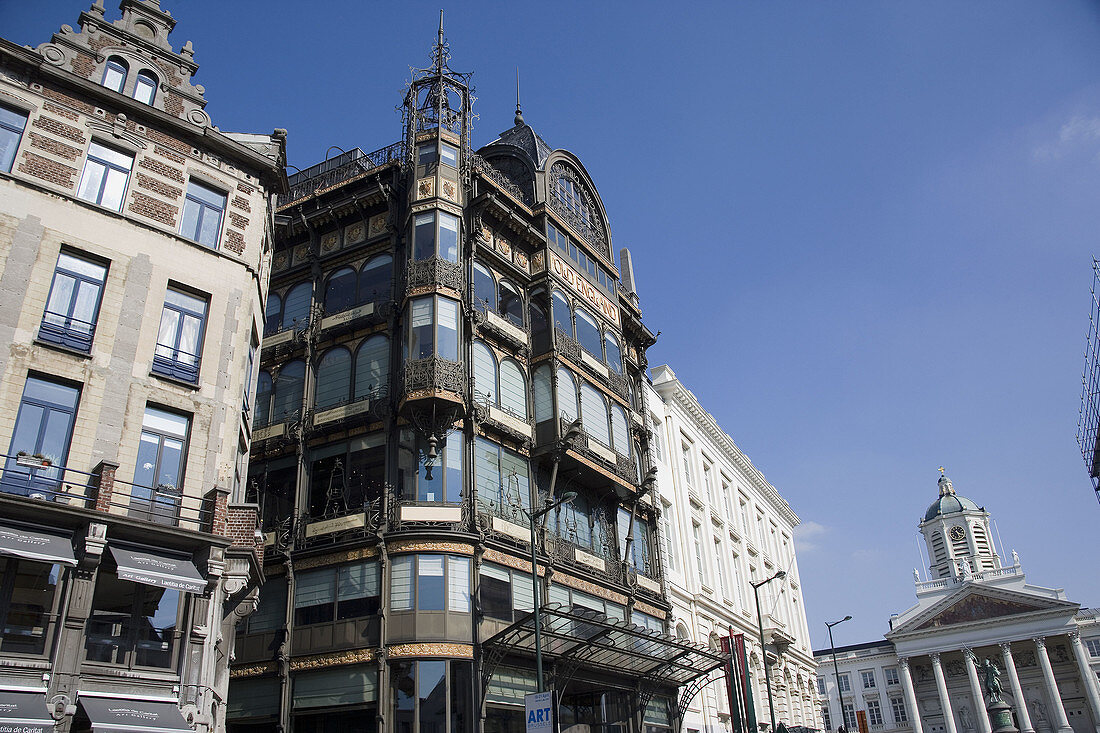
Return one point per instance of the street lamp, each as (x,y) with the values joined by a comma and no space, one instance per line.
(532,515)
(836,669)
(779,575)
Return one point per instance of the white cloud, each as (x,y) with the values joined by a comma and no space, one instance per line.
(807,536)
(1077,132)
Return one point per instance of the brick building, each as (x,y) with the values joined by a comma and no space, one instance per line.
(135,244)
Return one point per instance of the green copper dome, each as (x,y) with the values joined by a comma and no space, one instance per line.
(949,502)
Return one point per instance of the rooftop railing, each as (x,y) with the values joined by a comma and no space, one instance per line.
(339,169)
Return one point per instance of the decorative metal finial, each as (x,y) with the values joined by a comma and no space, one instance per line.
(439,61)
(941,470)
(519,111)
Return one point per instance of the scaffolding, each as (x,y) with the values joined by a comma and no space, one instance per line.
(1088,421)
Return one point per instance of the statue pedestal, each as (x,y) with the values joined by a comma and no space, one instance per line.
(1000,717)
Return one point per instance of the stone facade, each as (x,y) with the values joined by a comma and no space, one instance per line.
(90,263)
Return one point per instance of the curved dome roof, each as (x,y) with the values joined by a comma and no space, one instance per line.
(949,502)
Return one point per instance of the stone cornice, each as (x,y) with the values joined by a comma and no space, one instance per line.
(675,390)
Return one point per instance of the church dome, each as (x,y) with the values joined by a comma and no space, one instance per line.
(949,502)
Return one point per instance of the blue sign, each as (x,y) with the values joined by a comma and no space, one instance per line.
(539,709)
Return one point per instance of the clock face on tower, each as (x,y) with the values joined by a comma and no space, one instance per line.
(957,533)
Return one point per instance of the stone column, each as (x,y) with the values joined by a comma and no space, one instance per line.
(910,695)
(941,690)
(1017,691)
(971,661)
(1058,711)
(1087,677)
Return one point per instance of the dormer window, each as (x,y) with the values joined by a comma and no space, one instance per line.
(115,75)
(145,88)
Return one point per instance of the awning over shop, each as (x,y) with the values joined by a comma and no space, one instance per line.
(25,712)
(36,543)
(591,640)
(157,567)
(118,715)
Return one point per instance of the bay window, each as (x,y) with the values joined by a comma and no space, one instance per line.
(430,583)
(435,234)
(433,328)
(433,696)
(133,624)
(337,593)
(426,479)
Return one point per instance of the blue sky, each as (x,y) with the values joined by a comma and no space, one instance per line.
(864,229)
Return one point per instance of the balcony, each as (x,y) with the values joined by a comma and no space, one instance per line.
(38,478)
(423,377)
(65,331)
(434,273)
(340,169)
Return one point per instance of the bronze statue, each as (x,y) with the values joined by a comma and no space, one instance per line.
(992,674)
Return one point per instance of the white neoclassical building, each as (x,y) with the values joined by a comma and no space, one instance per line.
(724,526)
(974,605)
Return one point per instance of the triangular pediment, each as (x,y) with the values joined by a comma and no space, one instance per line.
(974,604)
(978,607)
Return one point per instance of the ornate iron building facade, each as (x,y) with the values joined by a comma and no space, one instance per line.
(449,348)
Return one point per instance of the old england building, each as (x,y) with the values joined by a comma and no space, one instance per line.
(134,240)
(974,605)
(449,347)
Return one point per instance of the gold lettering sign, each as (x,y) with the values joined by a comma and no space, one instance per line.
(585,289)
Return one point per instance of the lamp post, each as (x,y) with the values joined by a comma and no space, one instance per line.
(779,575)
(836,669)
(532,515)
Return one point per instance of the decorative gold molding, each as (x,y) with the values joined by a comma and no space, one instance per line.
(351,656)
(253,671)
(457,548)
(360,553)
(440,649)
(588,587)
(651,610)
(513,562)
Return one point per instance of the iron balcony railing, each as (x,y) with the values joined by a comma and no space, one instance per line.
(339,169)
(65,330)
(38,477)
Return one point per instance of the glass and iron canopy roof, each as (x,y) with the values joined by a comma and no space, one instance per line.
(592,640)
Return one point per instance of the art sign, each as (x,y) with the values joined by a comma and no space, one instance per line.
(585,289)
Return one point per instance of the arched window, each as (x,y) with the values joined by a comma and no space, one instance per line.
(620,430)
(594,415)
(614,355)
(567,395)
(288,390)
(485,374)
(513,389)
(574,521)
(296,306)
(272,313)
(145,88)
(375,279)
(372,368)
(562,315)
(511,304)
(114,76)
(333,378)
(540,333)
(484,288)
(588,334)
(544,394)
(340,290)
(263,400)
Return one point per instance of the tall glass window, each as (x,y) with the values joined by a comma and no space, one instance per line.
(513,389)
(567,395)
(145,87)
(296,306)
(27,603)
(544,394)
(433,328)
(620,431)
(344,476)
(158,479)
(430,583)
(503,480)
(43,427)
(614,354)
(562,314)
(340,292)
(485,373)
(433,696)
(588,334)
(435,234)
(511,304)
(272,312)
(73,306)
(375,279)
(337,593)
(594,415)
(425,479)
(133,625)
(372,368)
(106,173)
(179,344)
(484,288)
(114,76)
(203,209)
(264,390)
(12,124)
(288,390)
(333,378)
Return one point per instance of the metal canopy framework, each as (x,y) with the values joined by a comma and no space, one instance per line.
(581,638)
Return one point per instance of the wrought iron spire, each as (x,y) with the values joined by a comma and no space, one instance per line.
(519,110)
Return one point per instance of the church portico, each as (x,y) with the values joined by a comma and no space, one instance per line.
(975,611)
